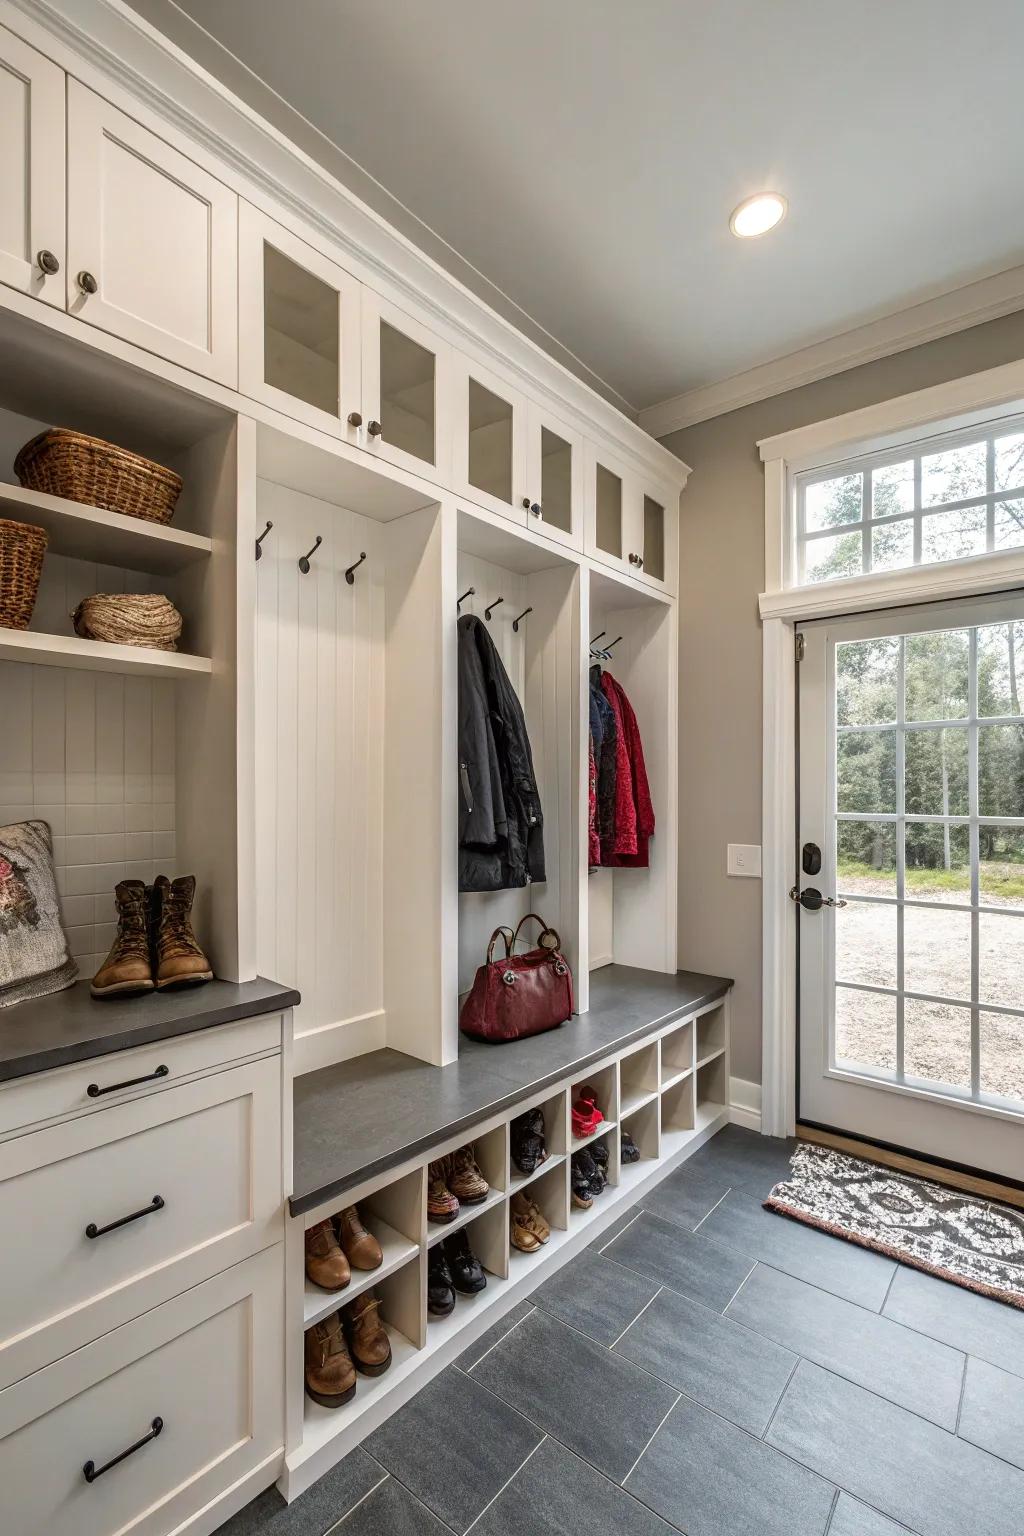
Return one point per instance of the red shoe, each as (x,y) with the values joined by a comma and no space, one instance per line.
(586,1116)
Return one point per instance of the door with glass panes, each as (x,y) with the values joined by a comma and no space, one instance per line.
(910,866)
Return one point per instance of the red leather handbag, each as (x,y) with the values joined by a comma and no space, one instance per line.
(522,994)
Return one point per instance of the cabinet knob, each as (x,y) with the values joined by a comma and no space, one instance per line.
(535,510)
(374,428)
(87,283)
(636,560)
(47,262)
(354,419)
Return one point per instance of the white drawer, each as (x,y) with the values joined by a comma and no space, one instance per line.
(208,1365)
(210,1150)
(64,1091)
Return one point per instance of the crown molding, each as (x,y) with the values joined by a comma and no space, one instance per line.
(116,52)
(973,304)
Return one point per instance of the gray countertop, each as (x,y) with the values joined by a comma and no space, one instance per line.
(361,1117)
(72,1026)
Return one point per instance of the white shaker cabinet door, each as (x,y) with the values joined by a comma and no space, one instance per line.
(31,171)
(152,241)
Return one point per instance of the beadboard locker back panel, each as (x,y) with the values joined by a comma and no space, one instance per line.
(319,717)
(92,754)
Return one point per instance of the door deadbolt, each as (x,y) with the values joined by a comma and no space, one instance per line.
(811,859)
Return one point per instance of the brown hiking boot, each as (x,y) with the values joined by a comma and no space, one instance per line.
(326,1265)
(465,1180)
(127,968)
(361,1248)
(366,1335)
(179,960)
(330,1374)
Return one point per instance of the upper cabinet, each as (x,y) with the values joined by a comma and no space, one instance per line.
(31,171)
(299,340)
(152,241)
(407,390)
(554,478)
(631,524)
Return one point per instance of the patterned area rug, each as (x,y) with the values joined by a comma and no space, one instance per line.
(973,1242)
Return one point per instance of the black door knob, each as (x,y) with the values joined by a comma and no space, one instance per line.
(354,419)
(47,262)
(87,283)
(374,428)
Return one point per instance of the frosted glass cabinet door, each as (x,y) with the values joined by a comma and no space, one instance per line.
(299,333)
(555,478)
(152,241)
(406,390)
(491,422)
(611,493)
(31,171)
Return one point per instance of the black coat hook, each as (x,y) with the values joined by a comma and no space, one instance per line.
(611,643)
(598,636)
(469,592)
(259,541)
(487,611)
(304,561)
(348,574)
(515,622)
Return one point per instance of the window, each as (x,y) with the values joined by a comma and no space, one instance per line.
(944,499)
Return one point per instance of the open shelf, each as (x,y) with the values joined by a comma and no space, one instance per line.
(106,538)
(672,1078)
(321,1425)
(711,1090)
(97,655)
(519,1180)
(710,1056)
(579,1142)
(437,1232)
(397,1251)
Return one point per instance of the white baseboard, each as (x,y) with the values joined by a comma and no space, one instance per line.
(745,1103)
(340,1041)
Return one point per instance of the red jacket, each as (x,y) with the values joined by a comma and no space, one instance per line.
(634,809)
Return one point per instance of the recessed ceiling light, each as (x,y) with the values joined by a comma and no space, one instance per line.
(757,215)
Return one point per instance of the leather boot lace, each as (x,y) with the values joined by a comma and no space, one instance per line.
(176,936)
(132,934)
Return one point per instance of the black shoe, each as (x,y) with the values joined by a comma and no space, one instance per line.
(599,1152)
(527,1141)
(591,1168)
(465,1266)
(440,1289)
(582,1199)
(629,1151)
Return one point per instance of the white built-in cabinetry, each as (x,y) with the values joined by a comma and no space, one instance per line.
(174,278)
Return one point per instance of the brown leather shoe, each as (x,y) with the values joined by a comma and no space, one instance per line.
(465,1180)
(179,960)
(326,1265)
(366,1335)
(330,1374)
(127,968)
(361,1247)
(526,1217)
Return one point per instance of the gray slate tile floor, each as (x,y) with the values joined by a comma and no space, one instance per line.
(704,1368)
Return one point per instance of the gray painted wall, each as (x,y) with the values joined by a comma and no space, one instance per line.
(721,552)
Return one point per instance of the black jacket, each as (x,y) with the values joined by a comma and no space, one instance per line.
(501,826)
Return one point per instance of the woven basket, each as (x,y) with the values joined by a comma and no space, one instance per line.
(129,618)
(22,548)
(87,469)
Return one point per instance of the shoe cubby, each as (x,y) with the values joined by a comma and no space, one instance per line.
(487,1235)
(712,1090)
(555,1111)
(527,597)
(394,1214)
(604,1082)
(638,1079)
(677,1115)
(644,1125)
(676,1055)
(551,1194)
(631,912)
(491,1152)
(403,1313)
(711,1034)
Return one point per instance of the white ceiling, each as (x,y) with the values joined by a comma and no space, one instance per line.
(584,155)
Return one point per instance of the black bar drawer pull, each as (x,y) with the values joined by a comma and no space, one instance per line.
(92,1471)
(94,1090)
(92,1230)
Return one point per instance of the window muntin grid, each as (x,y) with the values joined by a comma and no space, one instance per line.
(939,499)
(886,996)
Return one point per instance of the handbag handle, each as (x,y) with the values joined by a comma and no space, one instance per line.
(544,931)
(507,935)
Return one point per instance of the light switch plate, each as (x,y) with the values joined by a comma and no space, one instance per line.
(743,859)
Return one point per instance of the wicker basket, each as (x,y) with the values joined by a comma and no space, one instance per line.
(22,548)
(129,618)
(87,469)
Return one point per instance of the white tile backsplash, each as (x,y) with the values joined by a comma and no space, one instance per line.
(93,755)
